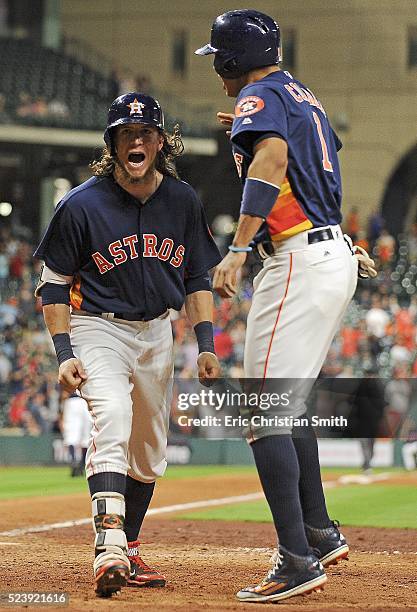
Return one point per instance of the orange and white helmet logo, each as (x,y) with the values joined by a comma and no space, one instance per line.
(136,107)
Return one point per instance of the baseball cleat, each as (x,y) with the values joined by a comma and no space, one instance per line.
(291,575)
(110,578)
(329,544)
(141,575)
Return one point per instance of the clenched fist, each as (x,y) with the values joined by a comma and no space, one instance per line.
(208,368)
(71,374)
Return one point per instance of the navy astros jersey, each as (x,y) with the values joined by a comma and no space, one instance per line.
(128,257)
(311,192)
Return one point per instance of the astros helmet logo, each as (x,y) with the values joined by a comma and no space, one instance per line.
(136,107)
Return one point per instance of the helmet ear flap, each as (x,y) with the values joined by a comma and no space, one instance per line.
(230,66)
(227,68)
(108,139)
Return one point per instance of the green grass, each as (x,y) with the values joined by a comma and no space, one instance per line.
(32,481)
(375,505)
(252,512)
(28,481)
(379,504)
(175,472)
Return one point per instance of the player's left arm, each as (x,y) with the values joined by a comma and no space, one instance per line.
(199,309)
(265,175)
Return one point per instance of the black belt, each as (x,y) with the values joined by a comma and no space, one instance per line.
(320,235)
(134,317)
(117,315)
(268,247)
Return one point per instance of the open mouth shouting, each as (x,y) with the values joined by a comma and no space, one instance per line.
(136,160)
(137,147)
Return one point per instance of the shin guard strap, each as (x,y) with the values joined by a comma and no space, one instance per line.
(108,511)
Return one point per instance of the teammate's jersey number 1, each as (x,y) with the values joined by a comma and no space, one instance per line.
(327,164)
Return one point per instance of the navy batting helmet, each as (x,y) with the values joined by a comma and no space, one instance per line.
(241,41)
(133,107)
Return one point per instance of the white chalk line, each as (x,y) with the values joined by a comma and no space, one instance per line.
(204,503)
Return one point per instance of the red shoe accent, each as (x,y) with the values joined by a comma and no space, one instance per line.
(141,575)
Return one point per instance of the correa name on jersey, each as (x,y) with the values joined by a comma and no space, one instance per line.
(310,195)
(126,256)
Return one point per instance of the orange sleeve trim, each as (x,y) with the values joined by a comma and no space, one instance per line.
(76,297)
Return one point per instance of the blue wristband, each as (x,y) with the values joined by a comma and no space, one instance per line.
(258,197)
(52,293)
(63,348)
(204,335)
(236,249)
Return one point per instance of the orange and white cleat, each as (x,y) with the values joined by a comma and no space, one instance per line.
(329,544)
(291,575)
(141,575)
(110,577)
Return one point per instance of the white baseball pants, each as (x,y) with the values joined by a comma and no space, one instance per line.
(300,297)
(129,365)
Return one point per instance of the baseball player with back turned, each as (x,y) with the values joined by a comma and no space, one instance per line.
(286,155)
(121,249)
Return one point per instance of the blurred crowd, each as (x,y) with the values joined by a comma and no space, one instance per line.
(33,109)
(29,396)
(126,81)
(43,109)
(377,337)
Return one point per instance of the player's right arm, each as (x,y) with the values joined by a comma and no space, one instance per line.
(62,249)
(266,173)
(71,371)
(260,131)
(268,169)
(54,290)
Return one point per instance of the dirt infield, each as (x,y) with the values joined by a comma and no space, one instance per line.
(205,562)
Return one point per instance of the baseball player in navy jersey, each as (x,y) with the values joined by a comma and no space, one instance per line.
(286,156)
(123,248)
